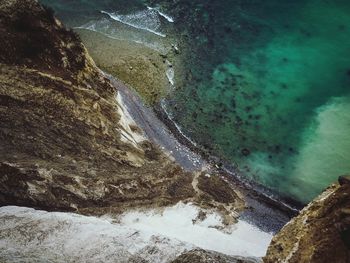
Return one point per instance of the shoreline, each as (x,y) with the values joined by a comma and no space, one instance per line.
(163,131)
(92,171)
(257,196)
(155,129)
(266,212)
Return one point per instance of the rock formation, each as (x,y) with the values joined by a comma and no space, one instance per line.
(29,235)
(320,234)
(199,255)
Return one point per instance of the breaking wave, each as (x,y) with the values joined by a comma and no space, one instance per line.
(167,17)
(123,32)
(145,20)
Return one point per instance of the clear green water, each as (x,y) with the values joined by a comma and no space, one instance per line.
(266,84)
(275,98)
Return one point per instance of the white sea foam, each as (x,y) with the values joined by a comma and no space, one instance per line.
(170,73)
(179,130)
(145,20)
(113,30)
(167,17)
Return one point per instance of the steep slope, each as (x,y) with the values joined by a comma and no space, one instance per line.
(66,141)
(28,235)
(320,234)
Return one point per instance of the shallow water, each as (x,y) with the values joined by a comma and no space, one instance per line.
(268,89)
(265,84)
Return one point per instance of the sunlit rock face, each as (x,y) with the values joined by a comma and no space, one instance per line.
(154,236)
(30,235)
(321,233)
(66,140)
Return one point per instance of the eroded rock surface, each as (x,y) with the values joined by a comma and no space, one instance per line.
(28,235)
(154,235)
(203,256)
(320,234)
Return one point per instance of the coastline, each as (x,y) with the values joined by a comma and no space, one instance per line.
(261,199)
(93,171)
(263,211)
(136,65)
(156,130)
(160,128)
(79,150)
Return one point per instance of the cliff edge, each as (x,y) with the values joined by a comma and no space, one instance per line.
(320,233)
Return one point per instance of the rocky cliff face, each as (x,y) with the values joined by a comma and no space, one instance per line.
(66,141)
(321,233)
(199,255)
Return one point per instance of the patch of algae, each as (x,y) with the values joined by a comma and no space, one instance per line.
(136,65)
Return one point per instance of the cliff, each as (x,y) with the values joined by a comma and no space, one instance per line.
(320,233)
(29,235)
(67,142)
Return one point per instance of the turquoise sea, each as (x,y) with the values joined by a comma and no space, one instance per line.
(265,86)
